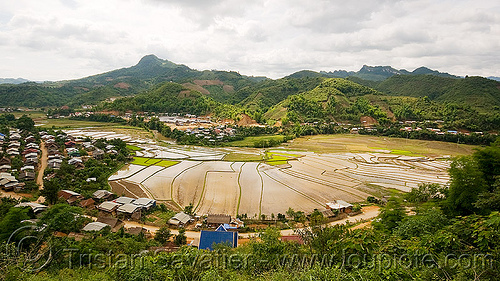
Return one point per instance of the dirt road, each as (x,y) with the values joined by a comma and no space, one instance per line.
(369,213)
(43,165)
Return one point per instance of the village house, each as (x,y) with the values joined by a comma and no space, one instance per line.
(5,168)
(129,211)
(340,206)
(214,220)
(108,208)
(145,203)
(124,200)
(88,204)
(5,161)
(101,195)
(95,226)
(35,207)
(27,176)
(179,220)
(209,238)
(70,196)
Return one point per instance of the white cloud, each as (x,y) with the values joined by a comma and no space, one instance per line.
(55,40)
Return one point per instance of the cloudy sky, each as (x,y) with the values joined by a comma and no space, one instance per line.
(66,39)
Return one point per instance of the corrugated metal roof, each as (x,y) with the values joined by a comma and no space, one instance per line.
(94,226)
(210,238)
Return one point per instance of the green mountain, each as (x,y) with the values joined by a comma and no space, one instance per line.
(150,71)
(478,92)
(337,99)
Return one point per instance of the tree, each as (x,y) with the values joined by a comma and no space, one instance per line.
(189,209)
(25,123)
(64,218)
(50,190)
(488,161)
(12,221)
(162,235)
(466,182)
(181,239)
(390,216)
(424,193)
(317,218)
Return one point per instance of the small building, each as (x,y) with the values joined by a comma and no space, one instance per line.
(32,146)
(138,230)
(124,200)
(54,163)
(31,161)
(74,161)
(293,239)
(145,203)
(35,207)
(70,144)
(7,181)
(180,219)
(218,219)
(327,213)
(5,168)
(115,223)
(98,153)
(5,161)
(29,150)
(28,168)
(210,238)
(88,204)
(31,155)
(27,175)
(108,207)
(95,226)
(70,196)
(129,210)
(340,206)
(14,137)
(102,195)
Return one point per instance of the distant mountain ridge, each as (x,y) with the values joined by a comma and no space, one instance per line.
(13,80)
(256,94)
(371,73)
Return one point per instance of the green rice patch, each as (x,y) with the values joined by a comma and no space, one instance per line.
(134,148)
(166,163)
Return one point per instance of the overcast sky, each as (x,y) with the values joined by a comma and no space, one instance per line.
(66,39)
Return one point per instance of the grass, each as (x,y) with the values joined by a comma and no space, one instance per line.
(250,141)
(243,157)
(67,123)
(166,163)
(143,161)
(278,158)
(343,143)
(134,148)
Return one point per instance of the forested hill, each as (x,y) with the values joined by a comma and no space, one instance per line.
(477,92)
(257,96)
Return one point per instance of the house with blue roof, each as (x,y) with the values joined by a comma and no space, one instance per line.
(221,235)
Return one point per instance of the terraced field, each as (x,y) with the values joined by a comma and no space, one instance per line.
(307,182)
(304,174)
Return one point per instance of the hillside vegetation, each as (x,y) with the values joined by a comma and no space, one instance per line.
(379,92)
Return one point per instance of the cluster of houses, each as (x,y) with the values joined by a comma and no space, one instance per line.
(111,210)
(219,132)
(17,146)
(54,154)
(186,120)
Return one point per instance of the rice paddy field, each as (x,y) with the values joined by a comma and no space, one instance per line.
(304,174)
